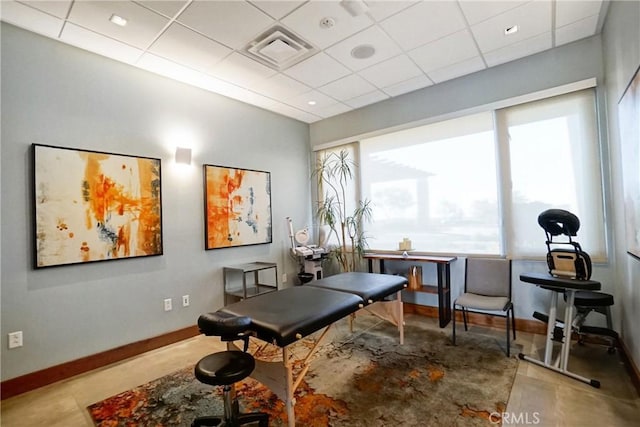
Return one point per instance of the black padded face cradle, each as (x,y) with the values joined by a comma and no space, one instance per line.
(559,221)
(223,324)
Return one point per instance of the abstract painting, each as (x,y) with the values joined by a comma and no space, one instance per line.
(93,206)
(237,207)
(629,116)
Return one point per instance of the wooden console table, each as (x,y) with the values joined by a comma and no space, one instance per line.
(443,289)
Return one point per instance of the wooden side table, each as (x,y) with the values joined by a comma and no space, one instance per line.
(443,288)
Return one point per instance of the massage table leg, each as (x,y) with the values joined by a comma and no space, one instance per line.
(391,311)
(278,375)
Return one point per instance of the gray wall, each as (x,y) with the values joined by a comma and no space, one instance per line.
(621,47)
(563,65)
(59,95)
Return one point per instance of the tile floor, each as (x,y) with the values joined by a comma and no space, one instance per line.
(538,397)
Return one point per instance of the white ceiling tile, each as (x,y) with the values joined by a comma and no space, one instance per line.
(409,85)
(31,19)
(306,22)
(250,97)
(568,12)
(384,48)
(348,87)
(518,50)
(99,44)
(276,9)
(424,22)
(456,70)
(391,71)
(576,30)
(189,48)
(302,101)
(381,9)
(232,23)
(333,110)
(164,67)
(477,11)
(166,7)
(295,113)
(317,70)
(232,91)
(198,47)
(448,50)
(238,69)
(142,27)
(366,99)
(280,87)
(532,19)
(57,8)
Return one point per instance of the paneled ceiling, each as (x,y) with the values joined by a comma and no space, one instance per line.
(311,60)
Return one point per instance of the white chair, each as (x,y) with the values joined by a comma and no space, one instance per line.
(487,287)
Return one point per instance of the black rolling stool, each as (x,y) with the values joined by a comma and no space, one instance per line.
(226,368)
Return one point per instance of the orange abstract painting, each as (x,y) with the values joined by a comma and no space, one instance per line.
(237,207)
(93,206)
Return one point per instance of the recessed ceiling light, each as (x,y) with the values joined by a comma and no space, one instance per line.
(118,20)
(511,30)
(363,51)
(311,102)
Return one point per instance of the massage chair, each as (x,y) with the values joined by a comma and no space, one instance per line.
(566,259)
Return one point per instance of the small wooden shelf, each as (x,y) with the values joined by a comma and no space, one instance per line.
(427,289)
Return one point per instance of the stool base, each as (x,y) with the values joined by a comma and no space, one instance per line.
(242,419)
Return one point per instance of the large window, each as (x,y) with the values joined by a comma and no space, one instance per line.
(436,185)
(476,184)
(554,163)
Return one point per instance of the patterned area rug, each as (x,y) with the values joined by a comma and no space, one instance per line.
(363,378)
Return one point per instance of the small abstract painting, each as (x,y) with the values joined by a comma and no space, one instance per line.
(237,207)
(93,206)
(629,117)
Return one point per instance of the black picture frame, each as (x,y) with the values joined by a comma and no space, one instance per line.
(91,206)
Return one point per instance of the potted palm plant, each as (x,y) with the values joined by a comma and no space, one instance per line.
(334,173)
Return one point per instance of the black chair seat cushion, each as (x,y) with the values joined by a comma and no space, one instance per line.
(224,368)
(593,299)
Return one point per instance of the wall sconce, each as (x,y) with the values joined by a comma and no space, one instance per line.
(183,156)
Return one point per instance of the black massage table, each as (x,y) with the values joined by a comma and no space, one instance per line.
(288,315)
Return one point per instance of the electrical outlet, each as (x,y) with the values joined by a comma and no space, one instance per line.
(185,300)
(15,339)
(167,304)
(284,277)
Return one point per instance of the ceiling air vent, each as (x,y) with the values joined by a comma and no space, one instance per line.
(279,49)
